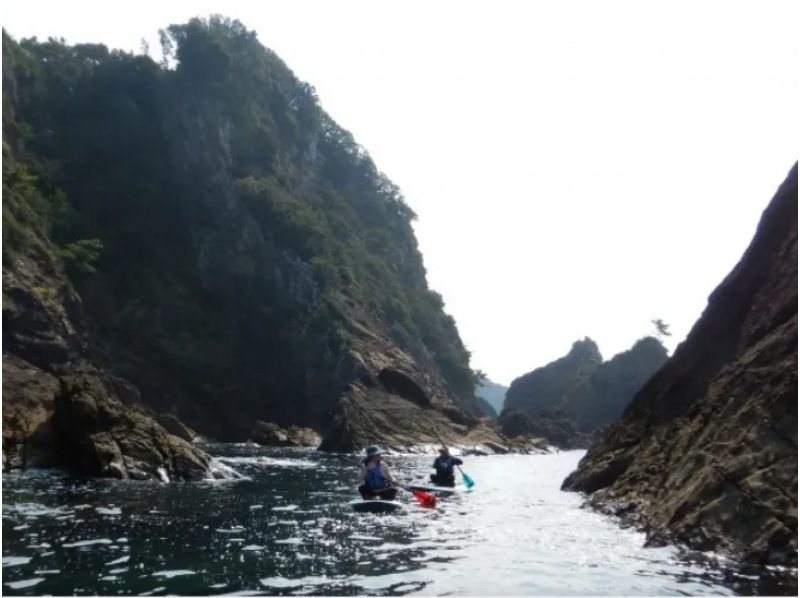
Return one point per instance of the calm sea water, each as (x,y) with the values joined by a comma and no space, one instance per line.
(287,529)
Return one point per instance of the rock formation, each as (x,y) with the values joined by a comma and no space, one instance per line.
(59,408)
(270,434)
(549,387)
(706,454)
(578,393)
(208,235)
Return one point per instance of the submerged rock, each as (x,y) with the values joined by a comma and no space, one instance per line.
(706,454)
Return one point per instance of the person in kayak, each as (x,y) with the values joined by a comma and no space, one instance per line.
(444,465)
(377,478)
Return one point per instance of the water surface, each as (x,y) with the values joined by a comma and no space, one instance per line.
(287,530)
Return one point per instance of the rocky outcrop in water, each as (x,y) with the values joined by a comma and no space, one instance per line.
(575,395)
(58,407)
(706,454)
(270,434)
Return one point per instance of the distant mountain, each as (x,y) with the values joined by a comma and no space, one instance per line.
(486,408)
(582,388)
(493,393)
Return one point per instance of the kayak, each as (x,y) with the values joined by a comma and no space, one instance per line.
(376,506)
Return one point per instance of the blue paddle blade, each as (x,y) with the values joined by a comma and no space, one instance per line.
(468,481)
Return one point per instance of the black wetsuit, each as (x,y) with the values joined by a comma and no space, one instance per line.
(444,475)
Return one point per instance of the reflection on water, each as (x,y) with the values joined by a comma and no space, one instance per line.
(286,529)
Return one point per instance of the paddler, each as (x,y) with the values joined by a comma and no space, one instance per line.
(377,478)
(444,465)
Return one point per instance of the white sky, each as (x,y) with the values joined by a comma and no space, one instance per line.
(578,168)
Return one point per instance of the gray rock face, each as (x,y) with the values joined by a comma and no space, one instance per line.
(575,395)
(270,434)
(105,438)
(546,388)
(706,454)
(28,405)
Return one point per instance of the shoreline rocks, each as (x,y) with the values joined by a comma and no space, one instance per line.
(557,431)
(271,434)
(706,454)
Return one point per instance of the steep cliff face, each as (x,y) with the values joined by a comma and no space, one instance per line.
(580,389)
(706,454)
(255,265)
(59,407)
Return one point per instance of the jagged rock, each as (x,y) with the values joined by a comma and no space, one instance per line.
(176,427)
(104,437)
(303,436)
(582,388)
(706,454)
(28,404)
(271,434)
(545,388)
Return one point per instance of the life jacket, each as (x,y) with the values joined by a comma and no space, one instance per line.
(375,478)
(444,466)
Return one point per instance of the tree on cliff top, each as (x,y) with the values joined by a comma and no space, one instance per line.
(662,329)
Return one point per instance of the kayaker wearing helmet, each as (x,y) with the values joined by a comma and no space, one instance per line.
(377,478)
(444,465)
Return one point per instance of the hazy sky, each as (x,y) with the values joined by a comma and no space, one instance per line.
(578,168)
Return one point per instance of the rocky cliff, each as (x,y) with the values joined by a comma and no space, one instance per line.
(233,254)
(579,391)
(706,454)
(59,407)
(547,388)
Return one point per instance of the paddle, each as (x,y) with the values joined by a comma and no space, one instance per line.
(468,481)
(425,500)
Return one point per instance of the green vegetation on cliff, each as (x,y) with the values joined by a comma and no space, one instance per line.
(228,239)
